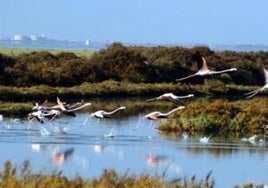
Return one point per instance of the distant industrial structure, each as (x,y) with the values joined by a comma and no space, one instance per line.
(26,40)
(19,38)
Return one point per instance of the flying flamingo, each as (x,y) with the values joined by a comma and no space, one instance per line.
(171,96)
(40,112)
(100,114)
(153,116)
(65,108)
(39,106)
(265,87)
(54,113)
(37,115)
(205,71)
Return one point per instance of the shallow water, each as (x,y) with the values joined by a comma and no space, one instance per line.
(112,143)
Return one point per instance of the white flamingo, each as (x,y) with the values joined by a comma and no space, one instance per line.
(205,71)
(171,96)
(36,115)
(262,89)
(41,112)
(54,113)
(64,108)
(100,114)
(153,116)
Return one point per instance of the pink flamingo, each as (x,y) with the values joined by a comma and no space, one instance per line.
(265,87)
(103,114)
(205,71)
(153,116)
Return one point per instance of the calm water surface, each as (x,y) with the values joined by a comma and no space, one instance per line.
(112,144)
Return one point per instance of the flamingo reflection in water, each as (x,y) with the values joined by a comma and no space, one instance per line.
(163,162)
(59,156)
(205,71)
(153,160)
(100,114)
(156,115)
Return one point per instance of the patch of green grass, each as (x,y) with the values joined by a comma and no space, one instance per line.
(16,51)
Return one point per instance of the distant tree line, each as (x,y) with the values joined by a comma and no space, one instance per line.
(134,64)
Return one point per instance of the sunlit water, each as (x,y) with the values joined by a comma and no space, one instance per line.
(112,144)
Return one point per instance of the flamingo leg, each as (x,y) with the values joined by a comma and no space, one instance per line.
(50,124)
(151,124)
(52,119)
(30,122)
(138,125)
(252,93)
(85,121)
(248,93)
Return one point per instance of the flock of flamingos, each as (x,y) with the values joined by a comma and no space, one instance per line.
(40,112)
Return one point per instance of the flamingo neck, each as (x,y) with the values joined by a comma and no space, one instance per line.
(222,71)
(80,107)
(175,109)
(114,111)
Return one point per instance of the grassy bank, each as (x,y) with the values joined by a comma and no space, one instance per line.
(17,51)
(220,117)
(113,89)
(18,100)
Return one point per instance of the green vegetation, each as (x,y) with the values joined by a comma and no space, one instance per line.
(136,71)
(17,101)
(17,51)
(22,176)
(220,116)
(129,64)
(119,71)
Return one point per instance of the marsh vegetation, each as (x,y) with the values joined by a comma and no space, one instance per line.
(136,71)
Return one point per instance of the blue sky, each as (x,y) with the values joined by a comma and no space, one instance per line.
(139,21)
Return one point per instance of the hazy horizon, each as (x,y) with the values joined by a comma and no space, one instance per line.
(139,22)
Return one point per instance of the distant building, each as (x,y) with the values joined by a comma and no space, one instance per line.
(20,38)
(33,37)
(38,37)
(87,42)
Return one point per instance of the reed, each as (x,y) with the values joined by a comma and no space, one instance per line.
(16,177)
